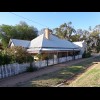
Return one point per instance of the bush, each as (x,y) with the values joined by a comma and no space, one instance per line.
(19,54)
(29,58)
(4,58)
(86,55)
(15,54)
(32,68)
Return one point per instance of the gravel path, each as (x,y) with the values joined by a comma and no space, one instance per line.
(13,80)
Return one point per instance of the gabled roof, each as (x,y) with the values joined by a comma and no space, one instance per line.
(53,42)
(79,43)
(18,42)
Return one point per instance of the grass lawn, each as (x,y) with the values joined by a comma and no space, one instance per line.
(54,78)
(91,78)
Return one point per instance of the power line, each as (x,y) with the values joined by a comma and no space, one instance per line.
(28,19)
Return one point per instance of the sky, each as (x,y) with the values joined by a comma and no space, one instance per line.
(52,19)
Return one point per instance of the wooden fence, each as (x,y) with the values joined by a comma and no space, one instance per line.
(13,69)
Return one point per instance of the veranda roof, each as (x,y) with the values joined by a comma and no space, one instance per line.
(38,50)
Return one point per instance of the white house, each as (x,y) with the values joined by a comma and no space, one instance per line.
(48,43)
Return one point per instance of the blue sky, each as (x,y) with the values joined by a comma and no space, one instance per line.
(53,19)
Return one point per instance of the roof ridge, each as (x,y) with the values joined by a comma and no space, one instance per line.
(20,40)
(42,40)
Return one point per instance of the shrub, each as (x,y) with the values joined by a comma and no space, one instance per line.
(15,54)
(29,58)
(32,68)
(86,55)
(4,58)
(1,58)
(19,54)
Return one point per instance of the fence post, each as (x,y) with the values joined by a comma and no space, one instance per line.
(6,71)
(18,70)
(2,71)
(53,59)
(10,69)
(47,61)
(66,56)
(15,69)
(58,56)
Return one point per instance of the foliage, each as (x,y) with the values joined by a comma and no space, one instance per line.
(32,68)
(39,56)
(4,58)
(20,31)
(15,54)
(1,47)
(44,56)
(20,54)
(64,31)
(86,55)
(75,37)
(91,36)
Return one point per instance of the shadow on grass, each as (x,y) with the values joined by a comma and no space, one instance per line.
(62,75)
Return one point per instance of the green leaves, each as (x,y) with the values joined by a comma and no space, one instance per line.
(15,54)
(21,31)
(65,31)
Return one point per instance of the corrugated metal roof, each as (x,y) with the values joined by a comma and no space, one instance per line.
(23,43)
(42,43)
(53,42)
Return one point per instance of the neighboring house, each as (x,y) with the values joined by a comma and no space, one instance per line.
(17,42)
(49,44)
(81,45)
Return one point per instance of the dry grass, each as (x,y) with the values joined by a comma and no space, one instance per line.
(91,78)
(54,78)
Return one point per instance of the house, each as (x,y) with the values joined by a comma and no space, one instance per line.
(81,45)
(48,45)
(17,42)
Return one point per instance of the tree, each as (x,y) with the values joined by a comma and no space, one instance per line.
(1,47)
(64,31)
(93,41)
(19,54)
(21,31)
(75,37)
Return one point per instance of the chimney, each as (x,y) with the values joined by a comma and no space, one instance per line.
(47,33)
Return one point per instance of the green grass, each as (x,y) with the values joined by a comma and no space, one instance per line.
(54,78)
(91,78)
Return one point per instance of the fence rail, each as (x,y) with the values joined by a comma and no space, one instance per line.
(14,69)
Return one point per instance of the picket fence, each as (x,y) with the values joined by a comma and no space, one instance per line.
(14,69)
